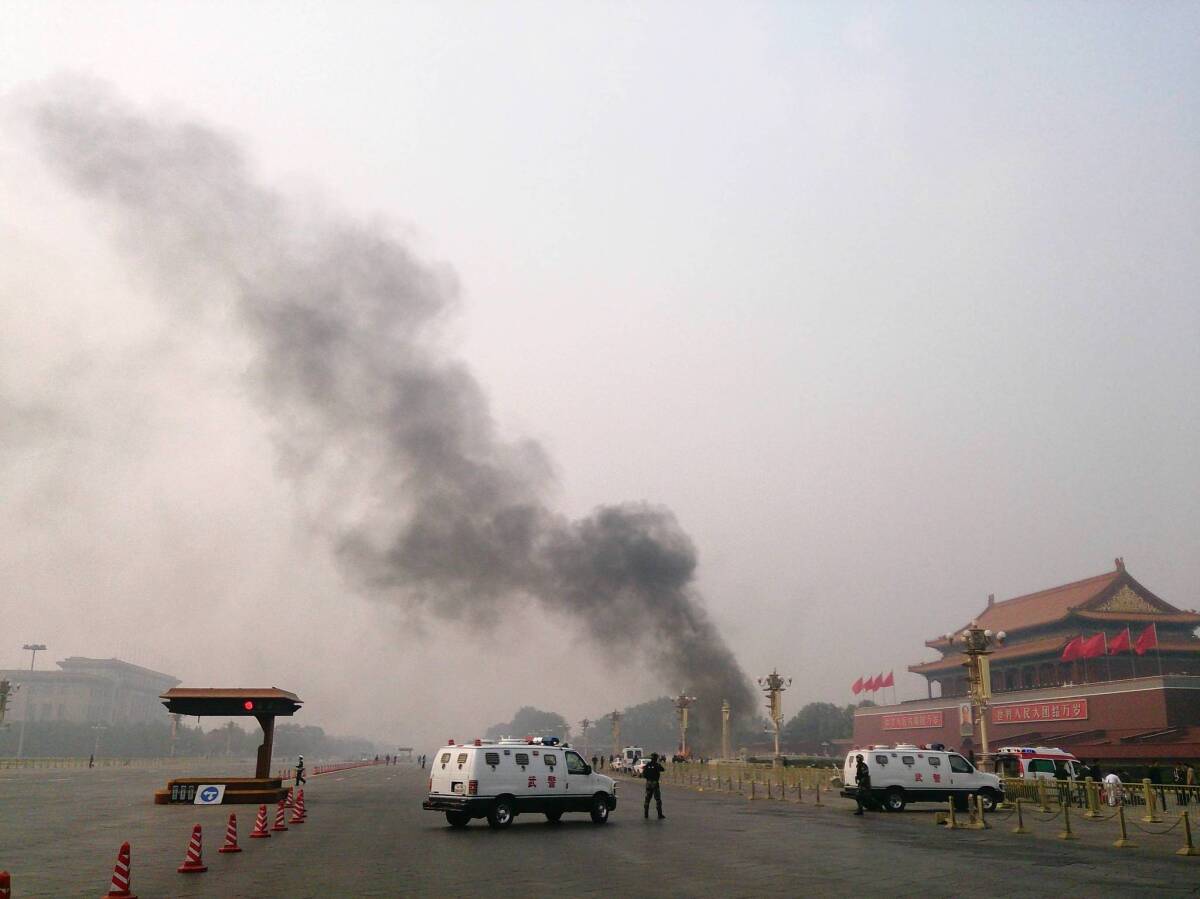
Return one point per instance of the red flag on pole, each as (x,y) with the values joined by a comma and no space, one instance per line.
(1071,651)
(890,680)
(879,681)
(857,687)
(869,685)
(1147,639)
(1122,643)
(1093,647)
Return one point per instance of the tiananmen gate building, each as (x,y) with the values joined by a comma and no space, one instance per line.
(1123,706)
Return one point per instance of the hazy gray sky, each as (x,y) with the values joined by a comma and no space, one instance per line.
(894,305)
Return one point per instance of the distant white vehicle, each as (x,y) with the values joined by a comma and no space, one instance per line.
(629,756)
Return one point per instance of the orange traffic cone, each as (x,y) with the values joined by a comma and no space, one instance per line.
(280,824)
(121,877)
(193,863)
(231,836)
(288,800)
(260,831)
(297,811)
(303,810)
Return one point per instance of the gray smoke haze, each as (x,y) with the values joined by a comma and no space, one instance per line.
(424,504)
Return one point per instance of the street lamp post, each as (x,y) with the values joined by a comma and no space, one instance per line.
(682,701)
(977,643)
(725,750)
(34,649)
(583,729)
(773,685)
(99,729)
(616,732)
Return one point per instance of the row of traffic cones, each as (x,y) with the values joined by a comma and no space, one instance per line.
(193,862)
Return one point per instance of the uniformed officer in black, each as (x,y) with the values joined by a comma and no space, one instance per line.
(862,777)
(300,778)
(651,773)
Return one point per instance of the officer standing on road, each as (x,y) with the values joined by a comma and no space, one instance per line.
(651,772)
(300,778)
(862,777)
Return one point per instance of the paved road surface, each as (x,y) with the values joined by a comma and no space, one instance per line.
(367,836)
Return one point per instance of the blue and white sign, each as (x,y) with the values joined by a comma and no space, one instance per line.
(210,794)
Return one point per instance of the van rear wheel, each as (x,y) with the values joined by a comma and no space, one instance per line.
(458,819)
(502,813)
(599,810)
(893,800)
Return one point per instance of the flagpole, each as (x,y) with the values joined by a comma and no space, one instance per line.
(1157,648)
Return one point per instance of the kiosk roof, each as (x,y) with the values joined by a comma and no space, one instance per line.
(230,701)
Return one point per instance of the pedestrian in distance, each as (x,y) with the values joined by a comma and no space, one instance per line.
(862,777)
(300,778)
(651,773)
(1154,774)
(92,760)
(594,764)
(1112,787)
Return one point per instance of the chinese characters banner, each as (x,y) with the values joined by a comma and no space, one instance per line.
(1059,710)
(912,720)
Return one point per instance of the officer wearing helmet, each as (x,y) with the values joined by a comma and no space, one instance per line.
(651,773)
(862,776)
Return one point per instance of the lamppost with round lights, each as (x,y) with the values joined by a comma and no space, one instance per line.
(682,702)
(34,649)
(583,729)
(977,643)
(725,713)
(773,685)
(616,732)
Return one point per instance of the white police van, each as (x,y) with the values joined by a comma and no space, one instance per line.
(905,773)
(499,780)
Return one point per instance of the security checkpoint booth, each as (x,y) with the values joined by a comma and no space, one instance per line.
(262,704)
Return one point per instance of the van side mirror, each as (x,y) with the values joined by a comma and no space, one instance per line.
(587,769)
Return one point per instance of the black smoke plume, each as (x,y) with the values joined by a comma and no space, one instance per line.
(429,507)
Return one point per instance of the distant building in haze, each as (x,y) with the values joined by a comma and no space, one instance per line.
(89,691)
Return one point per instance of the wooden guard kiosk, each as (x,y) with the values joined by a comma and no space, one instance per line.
(263,704)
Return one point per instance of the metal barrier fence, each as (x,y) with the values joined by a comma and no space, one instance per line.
(742,776)
(1161,809)
(328,768)
(1088,793)
(122,762)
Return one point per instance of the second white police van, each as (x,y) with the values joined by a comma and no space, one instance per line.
(1038,763)
(905,773)
(499,780)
